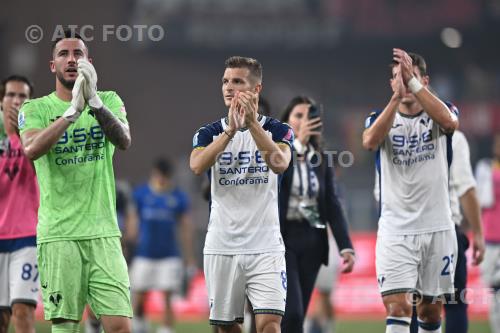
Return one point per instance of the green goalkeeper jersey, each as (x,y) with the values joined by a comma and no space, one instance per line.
(76,179)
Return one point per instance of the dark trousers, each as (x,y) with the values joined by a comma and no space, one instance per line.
(305,248)
(455,307)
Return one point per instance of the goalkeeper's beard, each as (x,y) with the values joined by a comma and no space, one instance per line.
(68,84)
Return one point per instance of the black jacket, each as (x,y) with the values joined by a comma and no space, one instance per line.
(329,206)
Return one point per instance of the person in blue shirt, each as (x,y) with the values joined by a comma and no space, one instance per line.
(162,208)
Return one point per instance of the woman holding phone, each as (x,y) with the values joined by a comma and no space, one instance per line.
(308,203)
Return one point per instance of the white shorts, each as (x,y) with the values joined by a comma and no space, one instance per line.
(490,267)
(261,277)
(424,263)
(19,282)
(156,274)
(328,275)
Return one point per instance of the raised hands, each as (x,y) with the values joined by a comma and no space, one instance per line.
(397,84)
(249,102)
(87,70)
(243,110)
(308,127)
(235,115)
(405,64)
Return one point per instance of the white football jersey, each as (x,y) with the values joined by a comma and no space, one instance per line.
(244,216)
(413,166)
(461,177)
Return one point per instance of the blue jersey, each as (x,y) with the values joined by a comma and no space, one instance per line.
(158,217)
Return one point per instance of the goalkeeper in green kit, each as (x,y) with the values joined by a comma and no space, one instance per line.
(71,136)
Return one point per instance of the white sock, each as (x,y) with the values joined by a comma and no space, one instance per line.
(165,329)
(495,312)
(398,325)
(247,321)
(429,328)
(139,325)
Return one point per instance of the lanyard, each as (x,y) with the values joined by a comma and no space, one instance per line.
(309,177)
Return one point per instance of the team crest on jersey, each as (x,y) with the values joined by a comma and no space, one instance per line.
(381,280)
(283,279)
(425,121)
(195,139)
(289,135)
(21,120)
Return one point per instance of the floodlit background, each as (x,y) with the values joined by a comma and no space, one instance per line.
(336,51)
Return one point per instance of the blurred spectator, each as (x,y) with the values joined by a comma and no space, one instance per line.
(161,208)
(19,201)
(488,186)
(308,202)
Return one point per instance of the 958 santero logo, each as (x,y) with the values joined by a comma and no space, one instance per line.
(89,141)
(249,167)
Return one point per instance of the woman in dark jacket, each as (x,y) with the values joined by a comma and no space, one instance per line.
(308,204)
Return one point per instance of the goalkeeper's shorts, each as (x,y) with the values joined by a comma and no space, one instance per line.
(74,273)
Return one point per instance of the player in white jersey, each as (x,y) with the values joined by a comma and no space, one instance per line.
(462,197)
(416,242)
(244,153)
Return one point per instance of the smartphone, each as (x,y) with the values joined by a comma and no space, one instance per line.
(315,111)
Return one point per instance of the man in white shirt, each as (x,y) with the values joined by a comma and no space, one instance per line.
(416,241)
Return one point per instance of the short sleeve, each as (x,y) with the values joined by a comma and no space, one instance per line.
(281,133)
(453,109)
(115,104)
(371,118)
(30,117)
(205,135)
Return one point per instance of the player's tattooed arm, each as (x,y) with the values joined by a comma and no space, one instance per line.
(115,130)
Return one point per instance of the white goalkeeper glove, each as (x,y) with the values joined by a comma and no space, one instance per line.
(77,100)
(86,69)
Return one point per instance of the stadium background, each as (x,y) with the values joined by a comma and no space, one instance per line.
(336,51)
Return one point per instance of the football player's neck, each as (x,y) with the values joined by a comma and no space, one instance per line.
(62,92)
(410,108)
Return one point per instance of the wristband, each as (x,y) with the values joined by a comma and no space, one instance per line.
(95,102)
(71,114)
(229,136)
(415,85)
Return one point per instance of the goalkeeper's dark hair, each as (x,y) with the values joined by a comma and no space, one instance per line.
(68,33)
(164,166)
(16,78)
(251,64)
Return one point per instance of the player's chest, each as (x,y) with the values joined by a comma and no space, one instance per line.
(412,133)
(86,130)
(241,151)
